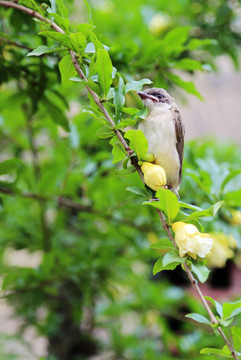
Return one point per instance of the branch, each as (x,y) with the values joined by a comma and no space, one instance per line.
(60,200)
(129,152)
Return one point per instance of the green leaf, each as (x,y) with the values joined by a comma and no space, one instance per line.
(142,114)
(137,190)
(63,39)
(104,69)
(56,114)
(62,9)
(123,172)
(189,206)
(30,4)
(214,351)
(117,150)
(138,142)
(89,11)
(188,64)
(105,132)
(199,318)
(230,177)
(78,41)
(10,165)
(174,40)
(172,257)
(91,84)
(186,85)
(61,21)
(119,98)
(159,266)
(136,85)
(217,305)
(42,49)
(233,198)
(231,309)
(194,44)
(205,213)
(168,203)
(125,122)
(201,271)
(236,335)
(163,244)
(66,69)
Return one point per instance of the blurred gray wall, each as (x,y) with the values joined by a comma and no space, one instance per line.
(220,113)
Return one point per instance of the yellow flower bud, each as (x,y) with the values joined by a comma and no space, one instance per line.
(154,175)
(159,23)
(222,250)
(236,217)
(191,242)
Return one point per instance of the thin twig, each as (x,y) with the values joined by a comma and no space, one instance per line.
(129,153)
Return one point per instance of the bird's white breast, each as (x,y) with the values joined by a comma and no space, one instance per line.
(159,129)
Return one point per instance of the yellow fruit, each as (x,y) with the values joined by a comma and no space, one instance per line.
(154,175)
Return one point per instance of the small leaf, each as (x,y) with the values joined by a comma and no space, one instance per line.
(42,49)
(117,150)
(217,305)
(236,334)
(78,41)
(66,69)
(137,190)
(163,244)
(172,257)
(233,198)
(91,84)
(104,69)
(56,114)
(119,98)
(63,39)
(125,122)
(10,165)
(230,177)
(64,23)
(189,206)
(199,318)
(201,271)
(168,203)
(188,64)
(123,172)
(62,9)
(231,309)
(104,132)
(30,4)
(138,142)
(159,266)
(205,213)
(186,85)
(213,351)
(136,85)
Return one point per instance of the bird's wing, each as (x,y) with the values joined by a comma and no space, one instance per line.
(180,131)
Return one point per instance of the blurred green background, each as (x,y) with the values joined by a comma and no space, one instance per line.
(76,266)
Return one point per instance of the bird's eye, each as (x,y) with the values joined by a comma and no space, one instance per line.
(160,96)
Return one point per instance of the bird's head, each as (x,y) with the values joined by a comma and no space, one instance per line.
(155,97)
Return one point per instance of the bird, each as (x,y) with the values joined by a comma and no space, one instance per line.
(164,130)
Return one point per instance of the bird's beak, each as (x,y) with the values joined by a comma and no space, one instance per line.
(144,96)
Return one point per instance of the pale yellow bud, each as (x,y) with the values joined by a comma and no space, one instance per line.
(154,175)
(191,242)
(159,23)
(236,217)
(222,250)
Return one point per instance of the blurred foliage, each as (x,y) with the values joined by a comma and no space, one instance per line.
(91,289)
